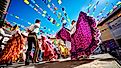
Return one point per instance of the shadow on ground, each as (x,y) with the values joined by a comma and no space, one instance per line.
(63,64)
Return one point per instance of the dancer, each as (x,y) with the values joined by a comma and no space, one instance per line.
(12,49)
(84,40)
(32,38)
(49,53)
(2,34)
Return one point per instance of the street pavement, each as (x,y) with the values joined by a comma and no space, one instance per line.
(94,61)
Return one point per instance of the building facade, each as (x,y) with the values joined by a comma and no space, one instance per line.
(4,4)
(110,28)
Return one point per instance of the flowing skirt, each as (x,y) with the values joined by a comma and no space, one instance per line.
(49,53)
(84,41)
(11,52)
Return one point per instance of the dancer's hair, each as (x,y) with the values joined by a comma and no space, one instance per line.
(37,21)
(73,21)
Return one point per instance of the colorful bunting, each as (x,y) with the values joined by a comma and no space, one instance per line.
(31,5)
(101,12)
(54,22)
(17,17)
(43,15)
(95,6)
(48,5)
(14,23)
(59,15)
(51,20)
(33,1)
(37,5)
(49,0)
(44,12)
(29,23)
(59,2)
(35,9)
(54,9)
(69,20)
(26,1)
(57,24)
(111,11)
(119,3)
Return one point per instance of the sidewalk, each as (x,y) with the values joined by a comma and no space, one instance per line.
(103,61)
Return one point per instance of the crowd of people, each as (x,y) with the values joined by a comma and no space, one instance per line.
(27,45)
(22,46)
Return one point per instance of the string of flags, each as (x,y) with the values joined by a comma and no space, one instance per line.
(55,9)
(22,26)
(118,5)
(59,2)
(43,12)
(94,6)
(17,17)
(101,12)
(13,22)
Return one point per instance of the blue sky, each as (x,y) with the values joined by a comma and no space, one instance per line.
(72,7)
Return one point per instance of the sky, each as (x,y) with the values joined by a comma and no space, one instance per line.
(72,7)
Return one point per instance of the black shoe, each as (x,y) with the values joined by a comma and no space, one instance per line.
(27,63)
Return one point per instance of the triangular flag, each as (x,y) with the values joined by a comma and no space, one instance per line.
(59,2)
(35,9)
(68,19)
(55,8)
(29,23)
(44,12)
(49,0)
(59,15)
(51,20)
(31,5)
(43,15)
(119,3)
(26,1)
(54,21)
(57,24)
(17,17)
(111,11)
(37,5)
(33,1)
(48,5)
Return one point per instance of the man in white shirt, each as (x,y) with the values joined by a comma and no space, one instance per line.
(32,39)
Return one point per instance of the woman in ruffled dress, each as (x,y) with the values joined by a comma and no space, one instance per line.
(49,53)
(12,49)
(83,38)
